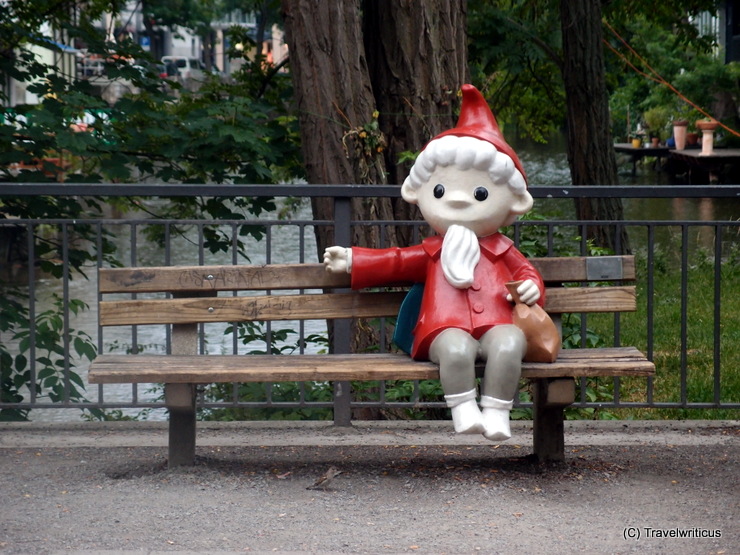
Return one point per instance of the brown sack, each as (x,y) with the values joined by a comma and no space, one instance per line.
(543,339)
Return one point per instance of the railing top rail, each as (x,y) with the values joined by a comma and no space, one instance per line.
(348,191)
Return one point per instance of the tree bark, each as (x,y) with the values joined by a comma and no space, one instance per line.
(335,101)
(372,79)
(417,59)
(404,59)
(590,151)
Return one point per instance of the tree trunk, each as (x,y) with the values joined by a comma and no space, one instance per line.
(336,105)
(372,79)
(590,150)
(417,58)
(341,81)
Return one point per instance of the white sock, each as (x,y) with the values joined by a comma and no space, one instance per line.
(496,418)
(466,415)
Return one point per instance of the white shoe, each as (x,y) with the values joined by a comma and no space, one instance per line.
(466,415)
(496,418)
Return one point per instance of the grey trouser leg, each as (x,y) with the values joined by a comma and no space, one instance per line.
(455,351)
(502,348)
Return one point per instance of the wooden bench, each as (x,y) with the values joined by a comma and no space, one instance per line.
(193,299)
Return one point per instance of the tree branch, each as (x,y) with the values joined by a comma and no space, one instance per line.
(551,53)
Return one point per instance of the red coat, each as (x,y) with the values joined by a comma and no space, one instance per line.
(475,310)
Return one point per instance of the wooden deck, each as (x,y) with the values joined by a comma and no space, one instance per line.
(691,160)
(637,154)
(722,162)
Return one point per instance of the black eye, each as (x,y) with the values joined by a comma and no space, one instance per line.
(481,194)
(439,191)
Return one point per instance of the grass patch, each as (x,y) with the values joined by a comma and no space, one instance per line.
(687,368)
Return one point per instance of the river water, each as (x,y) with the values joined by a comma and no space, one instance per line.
(545,165)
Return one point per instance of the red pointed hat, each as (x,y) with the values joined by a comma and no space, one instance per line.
(476,120)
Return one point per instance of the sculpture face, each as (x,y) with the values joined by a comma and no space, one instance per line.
(466,197)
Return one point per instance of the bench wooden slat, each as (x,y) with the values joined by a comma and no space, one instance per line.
(328,306)
(305,276)
(218,278)
(617,361)
(576,268)
(622,298)
(240,309)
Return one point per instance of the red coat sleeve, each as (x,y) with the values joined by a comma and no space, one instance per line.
(373,267)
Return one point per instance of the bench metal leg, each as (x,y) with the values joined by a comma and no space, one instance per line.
(342,407)
(551,396)
(180,399)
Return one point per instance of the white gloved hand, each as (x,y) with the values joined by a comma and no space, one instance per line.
(338,260)
(528,291)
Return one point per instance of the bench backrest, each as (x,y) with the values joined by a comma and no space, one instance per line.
(307,291)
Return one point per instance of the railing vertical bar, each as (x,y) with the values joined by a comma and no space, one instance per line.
(684,311)
(584,317)
(342,328)
(268,260)
(99,297)
(268,325)
(718,236)
(134,329)
(31,247)
(201,245)
(618,230)
(167,262)
(201,262)
(234,262)
(650,300)
(65,316)
(584,239)
(302,323)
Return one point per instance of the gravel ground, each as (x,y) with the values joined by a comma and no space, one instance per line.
(391,498)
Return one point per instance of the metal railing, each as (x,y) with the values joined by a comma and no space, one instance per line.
(690,356)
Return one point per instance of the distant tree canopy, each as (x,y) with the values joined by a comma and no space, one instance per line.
(548,66)
(240,131)
(516,55)
(246,130)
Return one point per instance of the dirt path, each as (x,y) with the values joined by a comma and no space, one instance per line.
(419,497)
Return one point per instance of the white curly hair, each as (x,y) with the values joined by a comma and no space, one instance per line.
(466,153)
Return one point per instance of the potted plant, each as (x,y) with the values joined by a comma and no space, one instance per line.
(684,119)
(707,127)
(637,135)
(680,129)
(657,119)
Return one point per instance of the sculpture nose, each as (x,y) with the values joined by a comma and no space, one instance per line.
(458,200)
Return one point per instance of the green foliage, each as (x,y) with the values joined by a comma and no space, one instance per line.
(278,342)
(698,379)
(679,55)
(516,59)
(36,366)
(278,339)
(514,48)
(240,131)
(276,393)
(44,338)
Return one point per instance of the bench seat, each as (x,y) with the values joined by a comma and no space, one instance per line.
(615,361)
